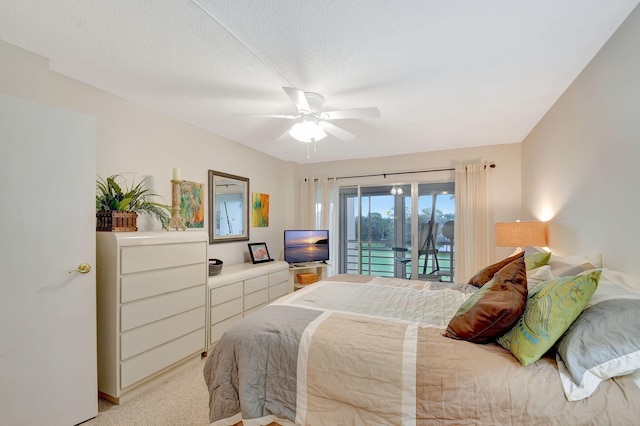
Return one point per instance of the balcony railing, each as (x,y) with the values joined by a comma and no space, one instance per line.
(378,258)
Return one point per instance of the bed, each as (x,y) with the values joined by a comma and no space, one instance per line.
(368,350)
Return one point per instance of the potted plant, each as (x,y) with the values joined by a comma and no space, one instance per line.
(118,204)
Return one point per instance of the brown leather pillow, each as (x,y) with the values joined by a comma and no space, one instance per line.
(484,275)
(495,308)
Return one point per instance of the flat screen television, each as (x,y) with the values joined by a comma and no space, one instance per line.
(306,245)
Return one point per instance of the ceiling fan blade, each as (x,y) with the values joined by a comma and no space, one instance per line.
(370,112)
(299,99)
(285,136)
(336,131)
(290,117)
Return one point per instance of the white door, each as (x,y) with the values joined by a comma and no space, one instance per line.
(48,367)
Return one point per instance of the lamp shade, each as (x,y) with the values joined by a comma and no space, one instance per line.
(307,131)
(520,234)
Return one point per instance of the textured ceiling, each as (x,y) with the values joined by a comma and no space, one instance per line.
(444,74)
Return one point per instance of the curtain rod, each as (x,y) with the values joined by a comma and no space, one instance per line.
(448,169)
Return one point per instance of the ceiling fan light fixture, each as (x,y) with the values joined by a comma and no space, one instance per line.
(307,131)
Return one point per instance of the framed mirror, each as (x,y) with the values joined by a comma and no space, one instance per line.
(228,207)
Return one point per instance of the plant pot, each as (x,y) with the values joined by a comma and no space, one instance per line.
(116,221)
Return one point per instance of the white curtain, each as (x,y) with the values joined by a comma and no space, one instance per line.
(473,220)
(320,211)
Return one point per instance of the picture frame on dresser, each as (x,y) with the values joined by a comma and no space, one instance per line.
(259,252)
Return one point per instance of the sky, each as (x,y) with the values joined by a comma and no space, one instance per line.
(384,204)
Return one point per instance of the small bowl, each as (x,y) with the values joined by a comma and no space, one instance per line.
(215,266)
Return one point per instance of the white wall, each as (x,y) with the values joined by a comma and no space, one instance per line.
(580,163)
(505,178)
(133,138)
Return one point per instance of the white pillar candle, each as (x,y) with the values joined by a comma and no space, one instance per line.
(176,173)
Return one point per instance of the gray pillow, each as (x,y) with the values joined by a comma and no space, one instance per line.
(561,269)
(603,342)
(528,250)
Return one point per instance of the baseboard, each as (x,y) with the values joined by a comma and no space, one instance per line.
(151,381)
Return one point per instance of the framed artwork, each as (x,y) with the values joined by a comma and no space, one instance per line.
(260,216)
(259,252)
(191,207)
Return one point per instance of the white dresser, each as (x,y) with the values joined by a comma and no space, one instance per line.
(151,302)
(241,289)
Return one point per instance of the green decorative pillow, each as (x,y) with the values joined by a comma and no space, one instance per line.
(551,308)
(537,260)
(494,309)
(485,274)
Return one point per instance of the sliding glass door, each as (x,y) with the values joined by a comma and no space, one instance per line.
(381,233)
(434,243)
(368,230)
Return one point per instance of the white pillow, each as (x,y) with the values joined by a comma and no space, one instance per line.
(621,279)
(561,269)
(614,285)
(592,257)
(538,275)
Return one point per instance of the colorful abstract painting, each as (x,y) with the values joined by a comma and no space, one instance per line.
(191,207)
(260,217)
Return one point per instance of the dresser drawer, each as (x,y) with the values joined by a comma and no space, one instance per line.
(278,290)
(224,294)
(219,329)
(158,256)
(278,277)
(143,338)
(252,285)
(226,310)
(255,299)
(151,283)
(148,363)
(141,312)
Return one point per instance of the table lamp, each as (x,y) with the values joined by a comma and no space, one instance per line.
(520,234)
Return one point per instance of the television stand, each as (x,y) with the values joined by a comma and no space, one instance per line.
(319,268)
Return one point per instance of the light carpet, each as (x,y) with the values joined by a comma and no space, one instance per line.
(183,399)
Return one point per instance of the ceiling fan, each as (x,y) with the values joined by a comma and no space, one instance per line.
(312,124)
